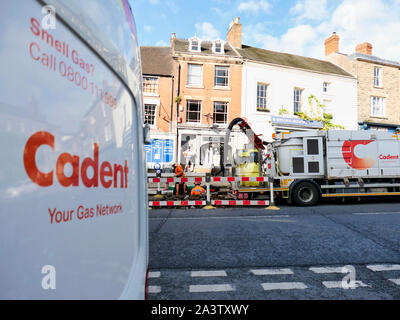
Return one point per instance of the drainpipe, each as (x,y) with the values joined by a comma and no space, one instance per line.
(172,103)
(177,111)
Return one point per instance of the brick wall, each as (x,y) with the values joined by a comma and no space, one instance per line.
(390,90)
(164,111)
(364,72)
(207,93)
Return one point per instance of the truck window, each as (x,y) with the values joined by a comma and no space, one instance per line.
(312,147)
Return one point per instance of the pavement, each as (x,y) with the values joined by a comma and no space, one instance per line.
(330,251)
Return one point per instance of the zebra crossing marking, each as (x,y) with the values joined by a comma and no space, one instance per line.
(270,272)
(283,286)
(384,267)
(210,288)
(216,273)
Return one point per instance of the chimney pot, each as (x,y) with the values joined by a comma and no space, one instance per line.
(364,48)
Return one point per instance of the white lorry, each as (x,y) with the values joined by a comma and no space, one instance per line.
(328,164)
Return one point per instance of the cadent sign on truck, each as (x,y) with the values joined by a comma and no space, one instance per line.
(73,197)
(337,164)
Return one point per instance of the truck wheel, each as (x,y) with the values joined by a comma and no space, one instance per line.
(305,194)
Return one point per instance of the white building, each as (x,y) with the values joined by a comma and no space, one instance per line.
(277,85)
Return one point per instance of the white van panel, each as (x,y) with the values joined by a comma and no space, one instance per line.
(71,181)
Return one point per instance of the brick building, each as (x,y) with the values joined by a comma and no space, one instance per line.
(209,76)
(378,84)
(158,86)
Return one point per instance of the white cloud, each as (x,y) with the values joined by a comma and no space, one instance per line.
(148,28)
(355,21)
(295,40)
(374,21)
(310,10)
(206,31)
(254,6)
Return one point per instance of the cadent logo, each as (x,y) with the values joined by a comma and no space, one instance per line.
(352,160)
(105,174)
(388,157)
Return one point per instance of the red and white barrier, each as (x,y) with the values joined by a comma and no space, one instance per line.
(172,180)
(213,202)
(182,203)
(240,202)
(239,179)
(212,179)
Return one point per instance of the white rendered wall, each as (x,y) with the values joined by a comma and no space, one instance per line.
(341,98)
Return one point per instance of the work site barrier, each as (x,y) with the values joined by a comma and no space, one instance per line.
(208,181)
(240,202)
(211,179)
(182,203)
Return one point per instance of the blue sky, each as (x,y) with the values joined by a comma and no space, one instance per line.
(294,26)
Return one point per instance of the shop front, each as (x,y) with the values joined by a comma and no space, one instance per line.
(379,126)
(201,150)
(293,124)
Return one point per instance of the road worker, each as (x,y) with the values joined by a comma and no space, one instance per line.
(180,190)
(178,170)
(198,190)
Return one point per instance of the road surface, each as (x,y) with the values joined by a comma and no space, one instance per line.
(330,251)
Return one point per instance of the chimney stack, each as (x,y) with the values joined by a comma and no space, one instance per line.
(332,44)
(234,35)
(172,39)
(364,48)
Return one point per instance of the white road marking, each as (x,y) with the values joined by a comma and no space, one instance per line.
(221,218)
(268,272)
(384,267)
(154,274)
(208,274)
(374,213)
(396,281)
(211,288)
(154,289)
(283,286)
(339,284)
(328,270)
